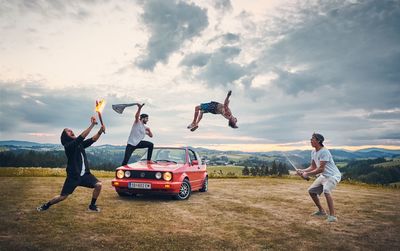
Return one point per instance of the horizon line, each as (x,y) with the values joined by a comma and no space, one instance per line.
(255,147)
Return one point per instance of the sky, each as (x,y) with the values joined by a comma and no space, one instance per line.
(294,68)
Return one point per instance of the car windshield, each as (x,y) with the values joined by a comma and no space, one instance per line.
(177,156)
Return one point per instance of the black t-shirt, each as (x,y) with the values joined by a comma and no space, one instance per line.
(74,150)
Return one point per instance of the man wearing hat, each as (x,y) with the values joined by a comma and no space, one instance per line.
(329,176)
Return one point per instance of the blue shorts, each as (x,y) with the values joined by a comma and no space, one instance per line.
(209,107)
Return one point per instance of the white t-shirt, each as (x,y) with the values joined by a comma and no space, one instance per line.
(138,132)
(83,165)
(331,169)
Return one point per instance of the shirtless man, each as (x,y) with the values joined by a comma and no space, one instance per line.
(214,108)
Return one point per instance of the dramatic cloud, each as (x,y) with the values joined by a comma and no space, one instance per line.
(170,24)
(294,68)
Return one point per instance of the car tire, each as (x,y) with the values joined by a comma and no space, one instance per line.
(205,185)
(185,191)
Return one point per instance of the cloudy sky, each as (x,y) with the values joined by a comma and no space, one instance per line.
(294,67)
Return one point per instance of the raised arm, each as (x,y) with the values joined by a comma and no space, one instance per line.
(98,134)
(86,132)
(226,103)
(137,115)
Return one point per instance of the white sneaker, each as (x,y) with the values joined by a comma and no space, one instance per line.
(331,218)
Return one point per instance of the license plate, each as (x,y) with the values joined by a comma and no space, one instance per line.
(136,185)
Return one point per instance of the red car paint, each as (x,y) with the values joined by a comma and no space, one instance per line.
(184,164)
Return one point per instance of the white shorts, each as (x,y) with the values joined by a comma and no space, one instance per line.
(323,184)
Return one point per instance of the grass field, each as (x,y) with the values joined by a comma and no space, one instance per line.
(224,171)
(236,214)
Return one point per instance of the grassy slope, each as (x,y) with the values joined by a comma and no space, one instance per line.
(250,214)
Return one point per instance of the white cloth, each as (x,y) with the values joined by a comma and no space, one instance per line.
(331,169)
(83,165)
(138,132)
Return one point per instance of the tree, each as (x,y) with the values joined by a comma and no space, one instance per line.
(253,171)
(245,171)
(274,169)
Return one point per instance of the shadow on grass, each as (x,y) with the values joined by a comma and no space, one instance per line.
(153,197)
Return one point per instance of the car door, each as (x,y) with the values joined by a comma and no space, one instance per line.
(195,169)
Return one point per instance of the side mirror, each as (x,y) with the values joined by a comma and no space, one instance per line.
(195,162)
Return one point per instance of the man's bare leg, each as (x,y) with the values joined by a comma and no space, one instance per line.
(315,198)
(97,190)
(57,199)
(196,114)
(329,200)
(196,125)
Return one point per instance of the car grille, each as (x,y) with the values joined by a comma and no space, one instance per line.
(143,175)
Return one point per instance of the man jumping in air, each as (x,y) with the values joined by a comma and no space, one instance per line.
(214,108)
(322,163)
(138,132)
(78,173)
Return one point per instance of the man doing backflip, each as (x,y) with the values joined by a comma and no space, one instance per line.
(214,108)
(322,163)
(78,172)
(138,132)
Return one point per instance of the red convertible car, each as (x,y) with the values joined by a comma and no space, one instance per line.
(174,171)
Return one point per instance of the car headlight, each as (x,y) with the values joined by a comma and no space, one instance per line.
(127,174)
(167,176)
(120,174)
(158,175)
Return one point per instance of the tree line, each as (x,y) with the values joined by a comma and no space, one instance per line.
(366,171)
(264,170)
(98,160)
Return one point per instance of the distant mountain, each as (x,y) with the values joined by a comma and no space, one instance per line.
(19,143)
(300,156)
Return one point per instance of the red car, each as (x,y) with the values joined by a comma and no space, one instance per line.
(172,170)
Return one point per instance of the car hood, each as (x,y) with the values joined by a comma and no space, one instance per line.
(144,166)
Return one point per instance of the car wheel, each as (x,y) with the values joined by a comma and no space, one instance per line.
(184,191)
(205,185)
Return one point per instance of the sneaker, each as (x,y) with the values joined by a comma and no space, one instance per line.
(318,213)
(331,218)
(94,208)
(43,207)
(194,128)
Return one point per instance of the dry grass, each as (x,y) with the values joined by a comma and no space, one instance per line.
(236,214)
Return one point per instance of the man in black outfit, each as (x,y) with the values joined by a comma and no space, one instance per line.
(78,172)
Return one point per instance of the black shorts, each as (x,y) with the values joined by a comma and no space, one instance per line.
(87,180)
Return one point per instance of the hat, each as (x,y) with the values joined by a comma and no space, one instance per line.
(319,137)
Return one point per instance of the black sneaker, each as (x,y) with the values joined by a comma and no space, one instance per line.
(94,208)
(43,207)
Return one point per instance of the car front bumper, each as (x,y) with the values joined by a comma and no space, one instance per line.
(157,186)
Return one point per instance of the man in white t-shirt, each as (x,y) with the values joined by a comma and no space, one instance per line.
(329,176)
(138,132)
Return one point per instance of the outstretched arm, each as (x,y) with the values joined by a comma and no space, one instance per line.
(226,103)
(137,115)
